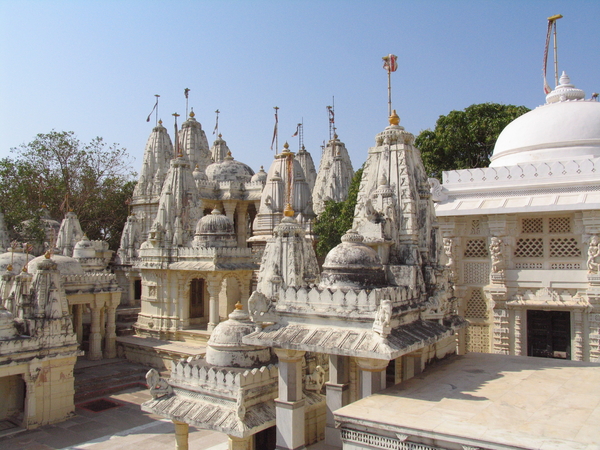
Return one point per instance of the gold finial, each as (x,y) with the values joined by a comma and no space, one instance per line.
(220,135)
(288,211)
(192,113)
(286,147)
(239,305)
(335,136)
(394,118)
(160,122)
(9,268)
(47,255)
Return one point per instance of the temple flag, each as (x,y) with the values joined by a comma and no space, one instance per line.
(390,63)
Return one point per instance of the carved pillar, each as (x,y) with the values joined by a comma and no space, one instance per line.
(95,352)
(214,288)
(78,322)
(242,209)
(110,337)
(236,443)
(338,395)
(30,413)
(229,206)
(182,431)
(290,404)
(372,375)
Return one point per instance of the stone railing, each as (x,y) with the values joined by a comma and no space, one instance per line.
(524,172)
(221,380)
(336,300)
(207,252)
(91,278)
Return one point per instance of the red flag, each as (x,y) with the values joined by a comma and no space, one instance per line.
(297,129)
(390,63)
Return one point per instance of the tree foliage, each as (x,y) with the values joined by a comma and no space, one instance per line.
(58,171)
(337,218)
(465,139)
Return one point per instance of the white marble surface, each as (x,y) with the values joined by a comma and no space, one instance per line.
(484,399)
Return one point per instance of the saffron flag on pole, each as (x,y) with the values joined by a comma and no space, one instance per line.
(390,63)
(547,89)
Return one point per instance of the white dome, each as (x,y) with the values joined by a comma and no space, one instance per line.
(562,130)
(65,265)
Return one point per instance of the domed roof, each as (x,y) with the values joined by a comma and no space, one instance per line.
(225,347)
(229,170)
(214,223)
(15,258)
(565,128)
(84,248)
(352,264)
(65,265)
(261,176)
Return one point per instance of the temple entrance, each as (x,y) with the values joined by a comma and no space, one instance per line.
(197,298)
(266,439)
(549,334)
(12,406)
(137,290)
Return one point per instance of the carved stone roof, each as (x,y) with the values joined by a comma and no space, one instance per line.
(352,341)
(229,170)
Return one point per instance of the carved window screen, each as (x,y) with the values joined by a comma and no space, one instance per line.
(476,248)
(532,225)
(477,273)
(475,226)
(478,338)
(559,225)
(530,248)
(564,248)
(476,306)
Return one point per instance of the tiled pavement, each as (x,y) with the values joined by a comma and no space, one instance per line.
(123,427)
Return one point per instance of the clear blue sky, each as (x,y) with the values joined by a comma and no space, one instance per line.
(93,67)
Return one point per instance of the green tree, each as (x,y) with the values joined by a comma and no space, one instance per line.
(337,218)
(465,139)
(58,171)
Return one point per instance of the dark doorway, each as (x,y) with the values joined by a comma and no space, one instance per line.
(137,289)
(265,439)
(549,334)
(197,298)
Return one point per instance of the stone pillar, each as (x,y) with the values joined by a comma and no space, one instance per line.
(372,375)
(242,209)
(30,413)
(214,288)
(236,443)
(110,336)
(182,430)
(338,395)
(290,404)
(78,322)
(229,206)
(95,351)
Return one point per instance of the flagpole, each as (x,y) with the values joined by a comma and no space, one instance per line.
(186,92)
(389,92)
(176,137)
(554,19)
(156,115)
(389,64)
(276,108)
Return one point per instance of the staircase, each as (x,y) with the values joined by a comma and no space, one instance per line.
(99,378)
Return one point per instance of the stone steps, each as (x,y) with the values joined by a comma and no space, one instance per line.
(99,378)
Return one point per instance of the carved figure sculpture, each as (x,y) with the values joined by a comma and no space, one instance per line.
(315,381)
(449,252)
(383,316)
(158,386)
(497,254)
(593,254)
(261,309)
